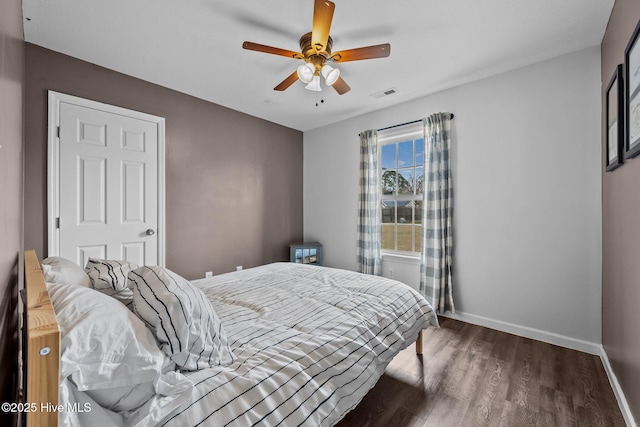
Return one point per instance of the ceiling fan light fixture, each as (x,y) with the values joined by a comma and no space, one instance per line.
(330,74)
(314,84)
(306,72)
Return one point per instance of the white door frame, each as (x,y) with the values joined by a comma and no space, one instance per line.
(53,162)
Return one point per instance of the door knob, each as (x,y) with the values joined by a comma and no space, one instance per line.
(150,232)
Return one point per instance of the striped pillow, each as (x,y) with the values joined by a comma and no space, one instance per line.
(110,278)
(181,318)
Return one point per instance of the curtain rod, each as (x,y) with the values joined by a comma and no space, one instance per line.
(404,124)
(401,124)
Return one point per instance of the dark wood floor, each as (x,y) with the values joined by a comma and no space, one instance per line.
(475,376)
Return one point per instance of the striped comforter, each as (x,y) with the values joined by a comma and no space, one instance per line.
(309,344)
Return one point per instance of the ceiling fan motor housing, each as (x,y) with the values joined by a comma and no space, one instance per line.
(315,55)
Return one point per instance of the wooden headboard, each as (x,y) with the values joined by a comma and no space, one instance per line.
(42,346)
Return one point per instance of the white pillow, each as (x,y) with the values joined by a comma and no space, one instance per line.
(110,278)
(61,270)
(181,318)
(104,346)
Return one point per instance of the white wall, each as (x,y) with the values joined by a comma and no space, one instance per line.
(526,162)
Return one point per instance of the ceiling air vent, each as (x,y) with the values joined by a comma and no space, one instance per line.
(385,92)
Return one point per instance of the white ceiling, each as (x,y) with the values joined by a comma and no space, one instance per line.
(195,46)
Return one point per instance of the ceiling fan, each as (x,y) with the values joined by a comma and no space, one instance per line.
(316,52)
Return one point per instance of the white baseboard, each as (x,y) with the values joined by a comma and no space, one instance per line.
(617,390)
(527,332)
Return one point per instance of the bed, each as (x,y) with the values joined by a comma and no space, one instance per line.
(292,345)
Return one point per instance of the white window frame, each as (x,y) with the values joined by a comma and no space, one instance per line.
(404,133)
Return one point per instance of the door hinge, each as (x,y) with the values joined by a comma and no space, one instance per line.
(58,222)
(58,131)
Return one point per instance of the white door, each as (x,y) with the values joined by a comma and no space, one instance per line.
(108,204)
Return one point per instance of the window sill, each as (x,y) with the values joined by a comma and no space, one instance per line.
(405,258)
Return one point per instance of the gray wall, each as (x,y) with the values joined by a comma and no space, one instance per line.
(621,231)
(234,182)
(11,141)
(526,164)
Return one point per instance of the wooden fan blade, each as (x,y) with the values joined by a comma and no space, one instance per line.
(369,52)
(341,86)
(272,50)
(287,82)
(322,16)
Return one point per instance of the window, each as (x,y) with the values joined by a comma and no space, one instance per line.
(402,182)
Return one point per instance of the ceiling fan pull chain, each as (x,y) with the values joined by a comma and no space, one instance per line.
(321,96)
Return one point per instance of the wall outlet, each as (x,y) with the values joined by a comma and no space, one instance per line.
(391,273)
(239,268)
(208,274)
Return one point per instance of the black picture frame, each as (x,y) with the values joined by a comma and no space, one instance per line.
(614,119)
(632,95)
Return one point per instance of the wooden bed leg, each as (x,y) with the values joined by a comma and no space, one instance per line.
(419,344)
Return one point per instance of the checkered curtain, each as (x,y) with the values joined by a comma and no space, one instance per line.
(369,259)
(437,216)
